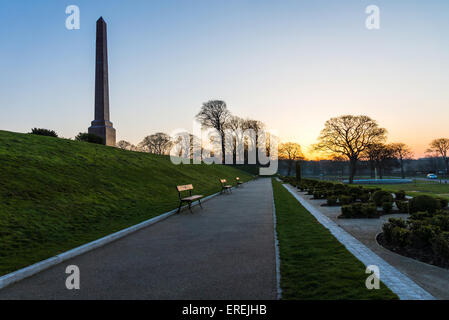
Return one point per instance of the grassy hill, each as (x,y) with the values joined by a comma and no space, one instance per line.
(56,194)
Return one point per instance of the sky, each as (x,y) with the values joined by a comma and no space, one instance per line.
(291,64)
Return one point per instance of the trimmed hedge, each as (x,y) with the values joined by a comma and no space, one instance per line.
(402,206)
(382,196)
(341,194)
(424,203)
(359,210)
(387,207)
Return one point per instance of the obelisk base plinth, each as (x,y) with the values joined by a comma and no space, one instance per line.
(105,130)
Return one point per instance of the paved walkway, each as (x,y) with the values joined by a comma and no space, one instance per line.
(225,251)
(406,277)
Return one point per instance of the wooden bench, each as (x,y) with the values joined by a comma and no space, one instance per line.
(191,198)
(237,179)
(224,186)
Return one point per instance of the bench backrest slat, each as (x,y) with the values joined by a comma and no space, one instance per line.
(186,187)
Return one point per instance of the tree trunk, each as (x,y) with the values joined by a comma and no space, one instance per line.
(402,169)
(234,151)
(223,155)
(257,148)
(298,171)
(352,170)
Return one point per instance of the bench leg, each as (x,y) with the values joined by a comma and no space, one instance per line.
(199,201)
(190,206)
(179,209)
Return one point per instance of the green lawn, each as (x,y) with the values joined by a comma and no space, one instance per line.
(56,194)
(416,188)
(314,265)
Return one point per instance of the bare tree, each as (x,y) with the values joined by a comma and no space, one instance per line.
(158,143)
(236,125)
(184,145)
(379,155)
(349,136)
(402,152)
(215,114)
(125,145)
(291,152)
(441,147)
(257,126)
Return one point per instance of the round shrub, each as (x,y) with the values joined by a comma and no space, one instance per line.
(398,222)
(359,210)
(44,132)
(318,194)
(400,236)
(442,221)
(424,203)
(364,197)
(89,137)
(422,233)
(346,211)
(440,245)
(400,195)
(387,207)
(418,216)
(344,200)
(392,225)
(387,232)
(402,206)
(443,203)
(331,200)
(369,211)
(382,196)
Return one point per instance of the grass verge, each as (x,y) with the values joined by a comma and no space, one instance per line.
(416,188)
(314,265)
(57,194)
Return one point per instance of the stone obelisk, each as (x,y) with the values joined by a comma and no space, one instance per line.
(101,126)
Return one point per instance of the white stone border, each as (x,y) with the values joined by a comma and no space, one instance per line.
(399,283)
(33,269)
(276,249)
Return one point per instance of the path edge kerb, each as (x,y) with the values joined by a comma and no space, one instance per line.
(33,269)
(276,250)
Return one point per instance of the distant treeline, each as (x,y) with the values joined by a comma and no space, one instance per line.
(412,167)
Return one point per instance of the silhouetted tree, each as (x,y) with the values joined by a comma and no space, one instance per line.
(349,136)
(214,114)
(44,132)
(257,126)
(379,155)
(291,152)
(402,152)
(89,137)
(441,147)
(158,143)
